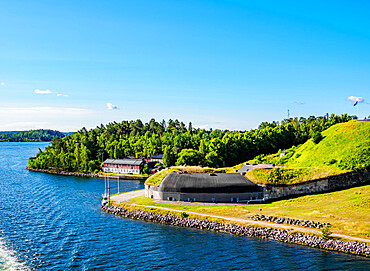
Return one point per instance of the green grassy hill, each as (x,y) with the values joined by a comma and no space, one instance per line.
(344,147)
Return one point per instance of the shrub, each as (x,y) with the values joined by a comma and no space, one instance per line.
(358,160)
(184,214)
(325,232)
(285,175)
(331,162)
(146,169)
(317,137)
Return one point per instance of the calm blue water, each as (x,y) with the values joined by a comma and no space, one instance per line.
(55,222)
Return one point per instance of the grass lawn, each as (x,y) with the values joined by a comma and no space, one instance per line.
(348,210)
(344,147)
(158,177)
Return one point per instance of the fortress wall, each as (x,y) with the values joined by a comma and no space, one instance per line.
(328,184)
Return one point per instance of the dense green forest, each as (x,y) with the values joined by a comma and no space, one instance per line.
(181,144)
(32,135)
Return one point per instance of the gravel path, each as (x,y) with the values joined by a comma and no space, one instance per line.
(263,223)
(129,195)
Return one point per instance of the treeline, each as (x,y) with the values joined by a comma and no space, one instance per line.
(32,135)
(181,144)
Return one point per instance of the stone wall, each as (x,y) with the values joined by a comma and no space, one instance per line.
(332,183)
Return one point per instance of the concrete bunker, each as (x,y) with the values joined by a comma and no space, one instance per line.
(205,187)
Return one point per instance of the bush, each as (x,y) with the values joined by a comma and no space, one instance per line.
(184,214)
(358,160)
(285,176)
(317,137)
(325,232)
(146,169)
(331,162)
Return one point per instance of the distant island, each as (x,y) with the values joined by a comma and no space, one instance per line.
(30,136)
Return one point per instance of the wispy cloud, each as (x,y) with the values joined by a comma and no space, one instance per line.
(42,110)
(111,106)
(47,91)
(356,99)
(59,118)
(2,83)
(23,125)
(62,95)
(299,102)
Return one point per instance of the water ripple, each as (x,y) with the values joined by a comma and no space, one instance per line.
(55,222)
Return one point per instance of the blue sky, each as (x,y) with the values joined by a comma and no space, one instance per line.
(220,64)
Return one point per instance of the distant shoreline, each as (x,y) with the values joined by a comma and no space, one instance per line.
(85,175)
(15,141)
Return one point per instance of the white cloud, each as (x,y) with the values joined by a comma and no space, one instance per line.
(111,106)
(299,102)
(58,118)
(47,91)
(23,125)
(62,95)
(2,83)
(41,110)
(356,99)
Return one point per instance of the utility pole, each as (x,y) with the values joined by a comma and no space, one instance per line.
(108,192)
(118,184)
(288,114)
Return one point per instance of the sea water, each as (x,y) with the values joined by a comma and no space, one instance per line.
(51,222)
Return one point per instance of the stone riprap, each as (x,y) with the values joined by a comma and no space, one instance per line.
(268,233)
(290,221)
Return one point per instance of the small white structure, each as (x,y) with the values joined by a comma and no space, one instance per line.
(157,158)
(133,166)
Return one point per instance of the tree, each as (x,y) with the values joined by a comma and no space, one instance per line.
(84,150)
(190,128)
(168,157)
(188,157)
(317,137)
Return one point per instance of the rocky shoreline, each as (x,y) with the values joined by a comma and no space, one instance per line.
(86,175)
(286,236)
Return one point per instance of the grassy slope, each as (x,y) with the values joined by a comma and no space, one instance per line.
(313,161)
(157,178)
(348,210)
(340,141)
